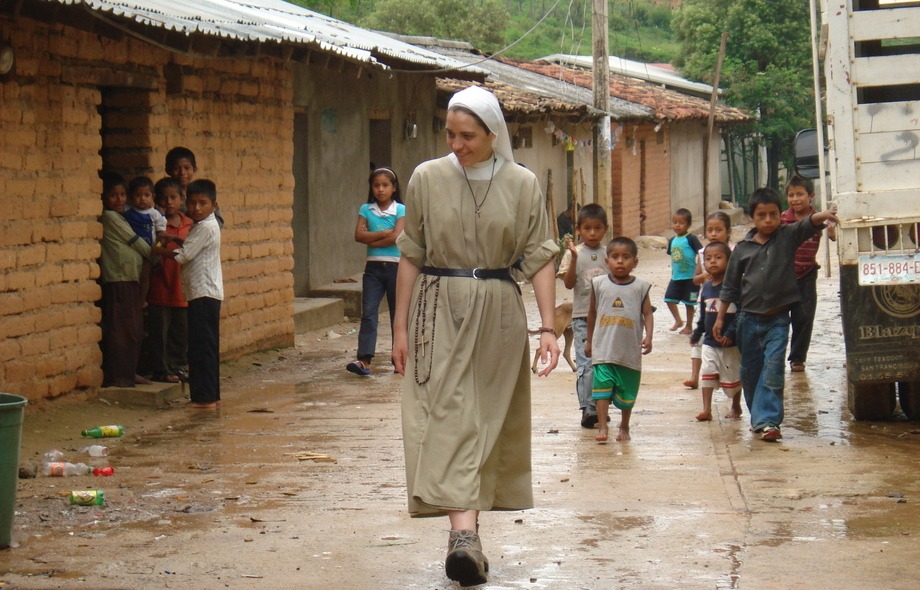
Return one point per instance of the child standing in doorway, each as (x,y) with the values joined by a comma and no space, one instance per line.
(718,230)
(140,212)
(800,192)
(120,265)
(620,326)
(721,360)
(760,281)
(203,286)
(682,248)
(580,264)
(380,221)
(182,166)
(147,223)
(167,318)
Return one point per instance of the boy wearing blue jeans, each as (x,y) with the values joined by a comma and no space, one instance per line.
(579,266)
(760,281)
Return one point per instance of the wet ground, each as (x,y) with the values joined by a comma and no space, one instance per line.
(298,483)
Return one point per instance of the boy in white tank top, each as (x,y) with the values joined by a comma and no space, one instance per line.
(620,326)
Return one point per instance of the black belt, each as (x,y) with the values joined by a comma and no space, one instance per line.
(470,273)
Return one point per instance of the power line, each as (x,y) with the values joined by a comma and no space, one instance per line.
(494,55)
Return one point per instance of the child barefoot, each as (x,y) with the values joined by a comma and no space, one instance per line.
(718,229)
(682,248)
(721,359)
(618,313)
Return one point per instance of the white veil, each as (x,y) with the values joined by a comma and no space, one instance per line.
(485,105)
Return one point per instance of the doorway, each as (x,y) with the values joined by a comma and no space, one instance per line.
(381,140)
(300,222)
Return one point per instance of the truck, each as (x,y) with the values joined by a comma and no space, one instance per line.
(871,57)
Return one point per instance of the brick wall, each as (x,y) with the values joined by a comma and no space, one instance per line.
(656,196)
(235,114)
(641,181)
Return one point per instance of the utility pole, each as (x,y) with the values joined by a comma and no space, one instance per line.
(601,162)
(712,116)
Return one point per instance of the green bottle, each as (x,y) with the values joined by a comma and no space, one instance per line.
(103,431)
(87,497)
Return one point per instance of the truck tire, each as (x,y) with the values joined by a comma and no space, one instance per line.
(871,401)
(909,396)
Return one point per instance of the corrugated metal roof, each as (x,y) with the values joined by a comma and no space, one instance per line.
(511,76)
(266,21)
(635,69)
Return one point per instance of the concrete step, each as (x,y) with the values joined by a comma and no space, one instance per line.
(349,292)
(314,313)
(156,395)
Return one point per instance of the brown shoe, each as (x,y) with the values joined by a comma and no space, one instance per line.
(465,561)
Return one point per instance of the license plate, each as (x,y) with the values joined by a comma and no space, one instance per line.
(889,269)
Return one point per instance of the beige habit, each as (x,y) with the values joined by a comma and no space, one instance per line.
(466,396)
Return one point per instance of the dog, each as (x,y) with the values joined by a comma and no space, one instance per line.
(562,326)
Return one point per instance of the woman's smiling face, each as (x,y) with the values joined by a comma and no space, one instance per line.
(467,139)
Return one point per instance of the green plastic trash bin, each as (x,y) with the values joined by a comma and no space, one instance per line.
(11,407)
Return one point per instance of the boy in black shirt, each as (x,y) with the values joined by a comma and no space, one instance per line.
(760,281)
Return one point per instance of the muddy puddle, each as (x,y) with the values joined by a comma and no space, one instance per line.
(298,482)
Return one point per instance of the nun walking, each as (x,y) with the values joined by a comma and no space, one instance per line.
(460,331)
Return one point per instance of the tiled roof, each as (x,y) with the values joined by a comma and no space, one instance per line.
(264,21)
(666,104)
(516,81)
(655,73)
(522,103)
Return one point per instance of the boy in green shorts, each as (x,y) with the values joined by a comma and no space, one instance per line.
(620,326)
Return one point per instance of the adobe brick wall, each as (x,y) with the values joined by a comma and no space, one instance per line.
(641,181)
(657,192)
(235,114)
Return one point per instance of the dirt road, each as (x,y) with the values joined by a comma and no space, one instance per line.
(235,500)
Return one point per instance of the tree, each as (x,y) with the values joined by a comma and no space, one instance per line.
(767,67)
(479,22)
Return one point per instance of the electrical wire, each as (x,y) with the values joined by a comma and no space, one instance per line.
(487,58)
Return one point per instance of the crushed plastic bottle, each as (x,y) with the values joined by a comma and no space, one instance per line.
(54,456)
(87,497)
(104,471)
(104,431)
(96,451)
(62,469)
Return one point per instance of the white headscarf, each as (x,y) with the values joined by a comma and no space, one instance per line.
(485,105)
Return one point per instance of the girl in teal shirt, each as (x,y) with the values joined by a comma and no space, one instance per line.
(380,221)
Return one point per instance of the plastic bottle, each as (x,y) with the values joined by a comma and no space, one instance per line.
(61,469)
(103,431)
(87,497)
(104,471)
(96,451)
(53,456)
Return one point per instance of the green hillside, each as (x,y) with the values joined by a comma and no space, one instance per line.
(639,29)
